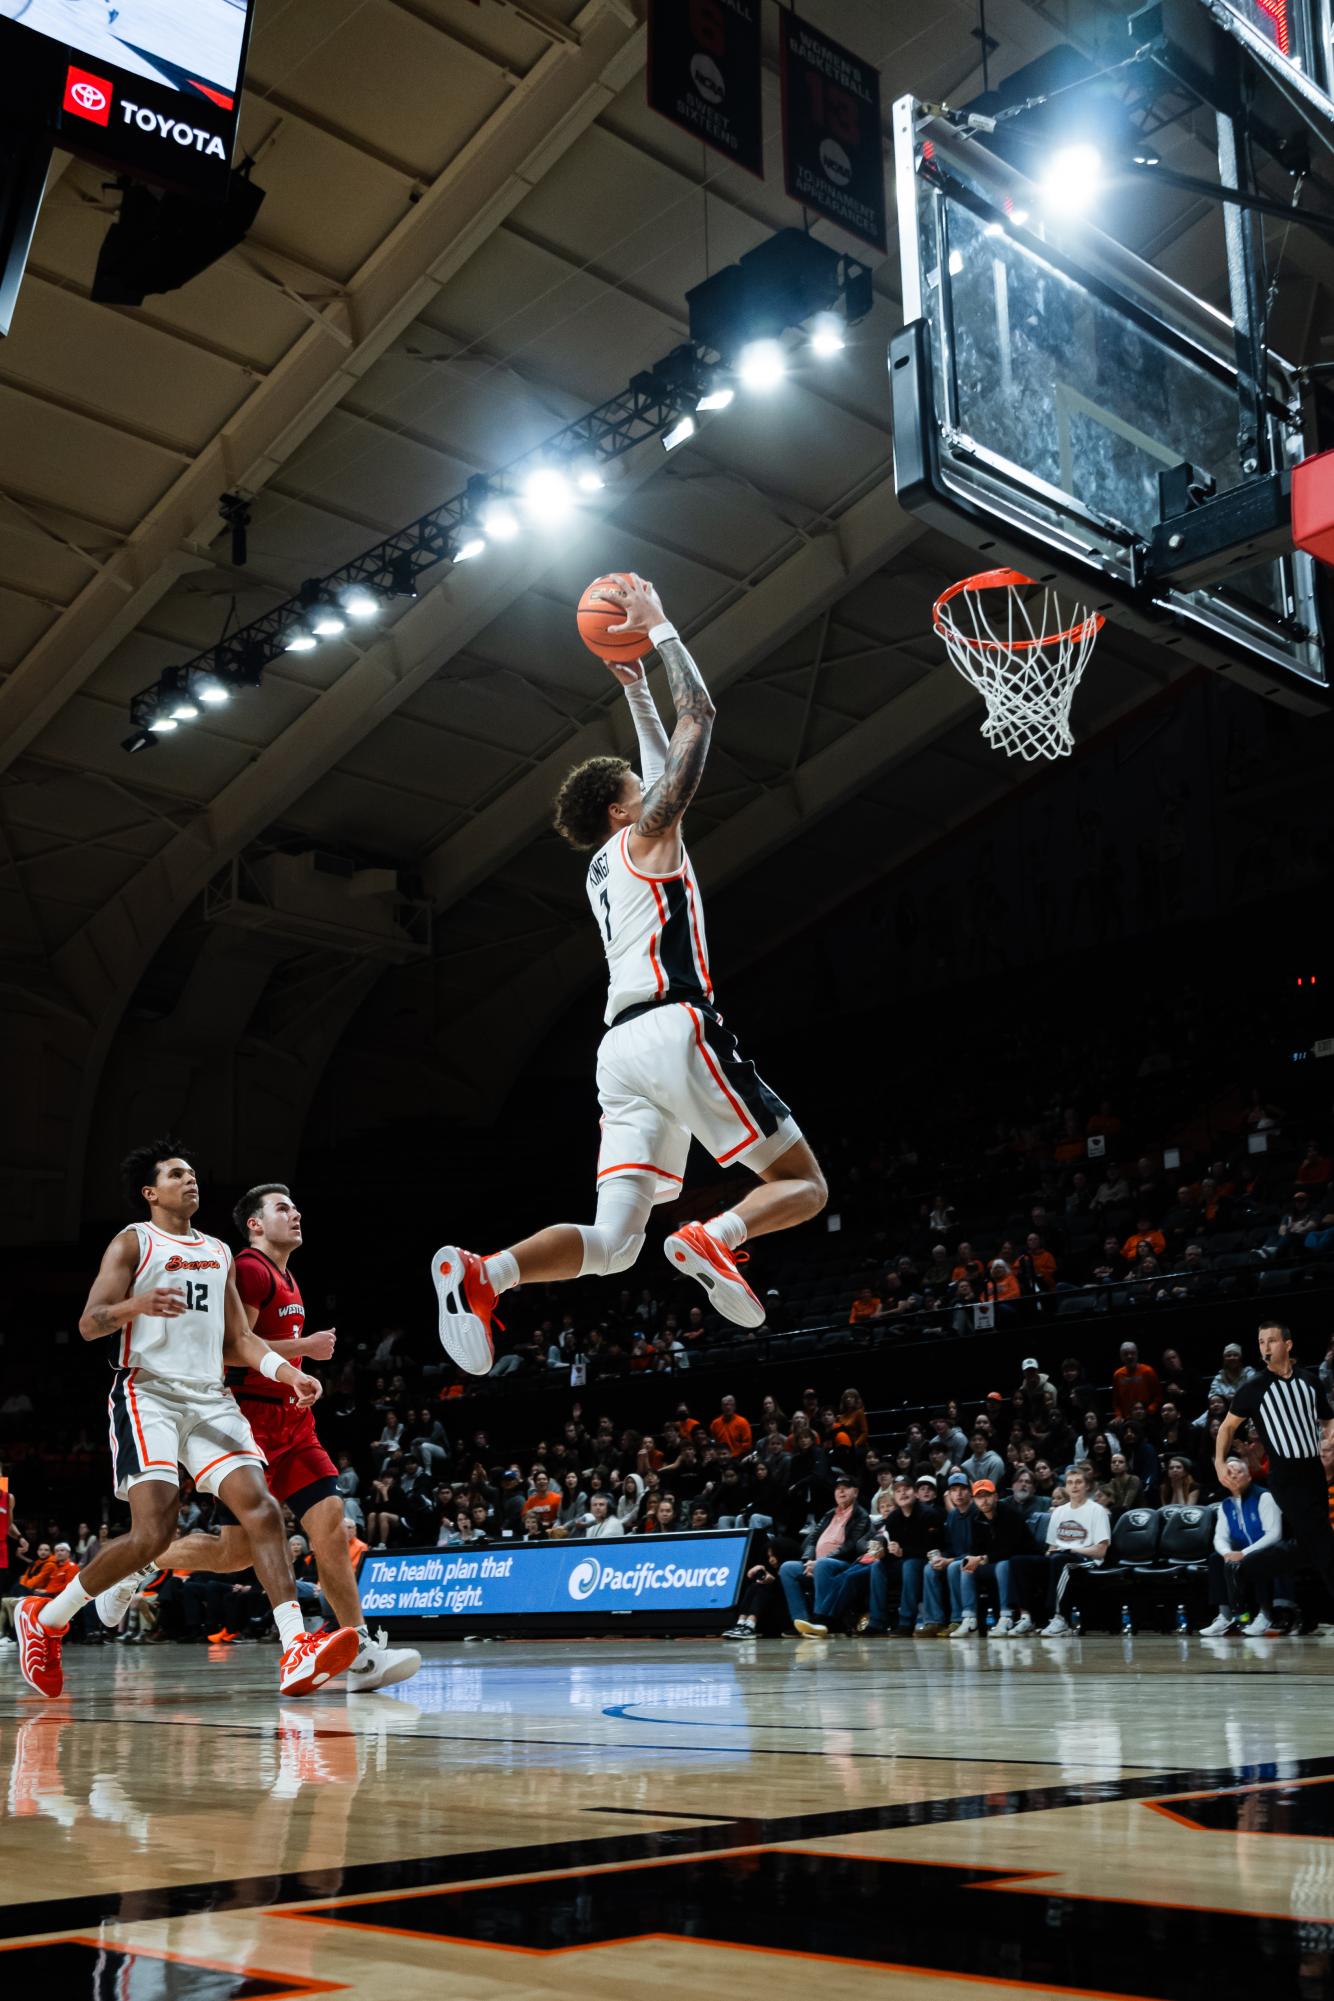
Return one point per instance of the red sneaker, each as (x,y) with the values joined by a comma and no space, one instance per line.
(467,1302)
(39,1648)
(315,1659)
(693,1251)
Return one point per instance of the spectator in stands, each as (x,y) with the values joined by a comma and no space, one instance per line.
(731,1431)
(882,1498)
(1141,1459)
(1112,1192)
(941,1586)
(1314,1168)
(1179,1487)
(1041,1259)
(603,1524)
(1097,1457)
(983,1462)
(573,1501)
(1027,1501)
(1233,1373)
(944,1431)
(1121,1490)
(936,1273)
(968,1267)
(908,1530)
(1033,1385)
(668,1519)
(852,1419)
(761,1608)
(828,1561)
(1079,1532)
(1134,1382)
(391,1438)
(51,1570)
(1247,1522)
(999,1534)
(1145,1232)
(1171,1433)
(941,1218)
(866,1307)
(1074,1396)
(1002,1287)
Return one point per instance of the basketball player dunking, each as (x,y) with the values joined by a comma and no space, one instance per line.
(166,1292)
(299,1473)
(667,1068)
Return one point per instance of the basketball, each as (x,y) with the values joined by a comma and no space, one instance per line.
(596,616)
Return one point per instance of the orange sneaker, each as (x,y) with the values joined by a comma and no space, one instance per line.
(467,1303)
(315,1659)
(222,1638)
(693,1251)
(39,1648)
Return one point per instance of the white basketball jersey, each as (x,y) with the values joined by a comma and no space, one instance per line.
(188,1348)
(652,929)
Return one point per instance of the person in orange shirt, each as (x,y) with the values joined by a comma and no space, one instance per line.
(1143,1233)
(1041,1259)
(1134,1382)
(45,1578)
(731,1430)
(1002,1284)
(864,1307)
(544,1501)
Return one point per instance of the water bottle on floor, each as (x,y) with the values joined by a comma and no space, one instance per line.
(1183,1623)
(1127,1623)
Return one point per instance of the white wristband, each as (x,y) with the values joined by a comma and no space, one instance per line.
(657,633)
(270,1365)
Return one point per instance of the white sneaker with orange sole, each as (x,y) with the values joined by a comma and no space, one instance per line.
(467,1303)
(694,1252)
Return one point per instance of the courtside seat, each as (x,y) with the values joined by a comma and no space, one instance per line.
(1187,1538)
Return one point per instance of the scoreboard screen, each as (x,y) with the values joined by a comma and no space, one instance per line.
(148,86)
(1291,34)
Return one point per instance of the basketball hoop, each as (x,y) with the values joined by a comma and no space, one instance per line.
(1026,666)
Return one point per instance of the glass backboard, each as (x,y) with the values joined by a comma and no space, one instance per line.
(1046,377)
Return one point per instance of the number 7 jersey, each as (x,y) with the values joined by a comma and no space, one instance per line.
(188,1347)
(652,929)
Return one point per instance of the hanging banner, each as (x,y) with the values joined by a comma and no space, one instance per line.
(704,73)
(833,155)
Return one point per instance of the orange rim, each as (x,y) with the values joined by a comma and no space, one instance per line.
(998,580)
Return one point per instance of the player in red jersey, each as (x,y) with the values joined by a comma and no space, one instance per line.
(300,1473)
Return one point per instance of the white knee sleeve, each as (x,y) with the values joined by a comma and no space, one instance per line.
(614,1242)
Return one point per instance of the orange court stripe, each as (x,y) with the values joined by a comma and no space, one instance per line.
(721,1081)
(637,1166)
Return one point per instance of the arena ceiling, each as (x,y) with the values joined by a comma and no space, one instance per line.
(344,883)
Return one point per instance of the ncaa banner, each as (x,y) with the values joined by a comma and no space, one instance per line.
(693,1573)
(704,73)
(833,153)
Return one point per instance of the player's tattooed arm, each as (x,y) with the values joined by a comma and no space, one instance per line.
(666,800)
(111,1303)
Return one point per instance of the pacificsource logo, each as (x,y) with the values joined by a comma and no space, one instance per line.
(88,96)
(583,1580)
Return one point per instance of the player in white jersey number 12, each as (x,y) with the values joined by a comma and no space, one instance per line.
(667,1067)
(166,1295)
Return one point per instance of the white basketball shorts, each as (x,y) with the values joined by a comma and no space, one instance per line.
(157,1426)
(672,1074)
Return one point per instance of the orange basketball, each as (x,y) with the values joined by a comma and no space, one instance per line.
(595,615)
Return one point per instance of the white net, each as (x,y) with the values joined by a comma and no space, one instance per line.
(1024,650)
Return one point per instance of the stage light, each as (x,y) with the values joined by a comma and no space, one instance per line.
(717,399)
(678,434)
(470,547)
(141,740)
(326,620)
(1072,179)
(300,642)
(360,603)
(548,496)
(762,365)
(209,689)
(590,480)
(828,337)
(161,725)
(500,522)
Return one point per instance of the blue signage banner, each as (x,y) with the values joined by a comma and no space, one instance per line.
(691,1573)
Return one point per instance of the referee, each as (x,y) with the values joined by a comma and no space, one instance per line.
(1285,1404)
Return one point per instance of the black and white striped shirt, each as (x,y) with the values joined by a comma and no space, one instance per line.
(1287,1410)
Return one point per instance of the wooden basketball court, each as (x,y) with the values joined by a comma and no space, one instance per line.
(1144,1817)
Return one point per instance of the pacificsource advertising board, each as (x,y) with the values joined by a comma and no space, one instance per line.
(660,1575)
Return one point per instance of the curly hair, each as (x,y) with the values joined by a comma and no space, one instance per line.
(582,802)
(139,1169)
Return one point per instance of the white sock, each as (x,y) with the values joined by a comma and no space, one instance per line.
(502,1271)
(729,1229)
(291,1626)
(64,1605)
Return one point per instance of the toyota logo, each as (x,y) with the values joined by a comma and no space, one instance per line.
(89,96)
